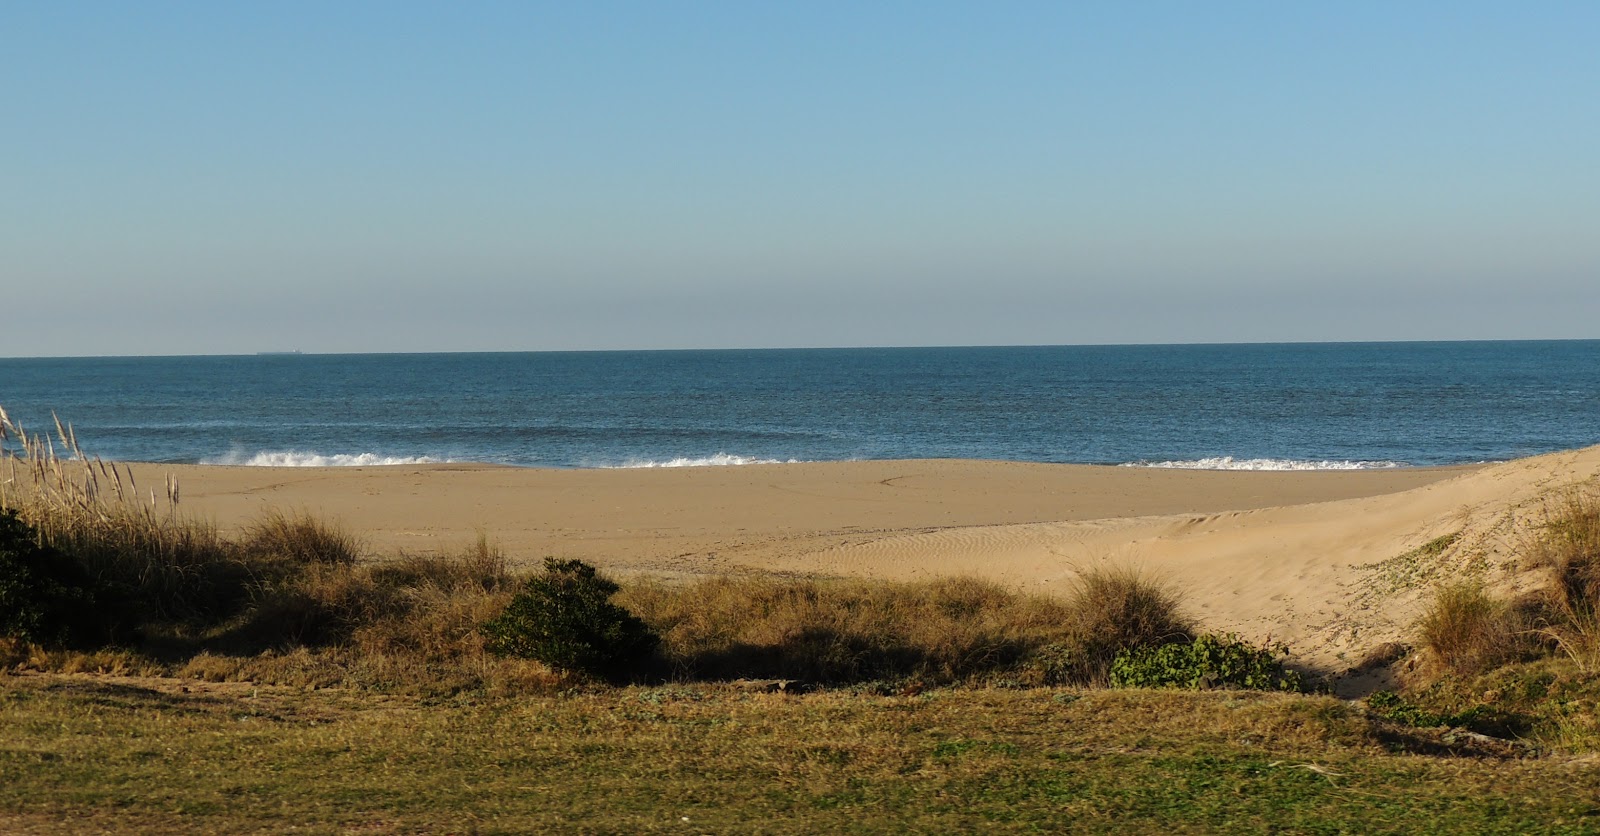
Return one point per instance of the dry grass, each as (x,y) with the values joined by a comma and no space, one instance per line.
(436,604)
(301,539)
(1117,609)
(1466,631)
(408,624)
(146,553)
(292,600)
(940,631)
(843,631)
(1569,548)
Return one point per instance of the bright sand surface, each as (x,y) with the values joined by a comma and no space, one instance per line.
(1312,558)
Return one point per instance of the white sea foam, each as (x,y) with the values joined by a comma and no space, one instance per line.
(299,458)
(1231,463)
(718,460)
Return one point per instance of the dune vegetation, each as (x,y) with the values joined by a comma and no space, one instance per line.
(161,675)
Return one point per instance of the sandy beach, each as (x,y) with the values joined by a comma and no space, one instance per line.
(1292,556)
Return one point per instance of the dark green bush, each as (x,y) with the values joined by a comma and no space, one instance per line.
(46,597)
(564,618)
(1207,662)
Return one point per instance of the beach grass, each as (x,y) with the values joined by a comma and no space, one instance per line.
(1568,548)
(1467,631)
(1526,667)
(935,632)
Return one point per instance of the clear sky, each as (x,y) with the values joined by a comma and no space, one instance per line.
(201,177)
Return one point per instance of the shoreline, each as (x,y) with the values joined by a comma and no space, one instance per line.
(710,462)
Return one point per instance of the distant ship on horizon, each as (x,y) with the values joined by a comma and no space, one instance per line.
(295,353)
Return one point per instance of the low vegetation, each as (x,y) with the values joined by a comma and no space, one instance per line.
(809,704)
(157,756)
(1524,668)
(1467,631)
(1207,662)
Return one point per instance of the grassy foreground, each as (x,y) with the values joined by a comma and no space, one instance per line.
(103,754)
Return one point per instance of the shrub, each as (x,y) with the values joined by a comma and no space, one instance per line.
(1207,662)
(564,618)
(1468,632)
(1113,611)
(46,597)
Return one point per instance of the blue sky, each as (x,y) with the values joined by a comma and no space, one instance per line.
(227,178)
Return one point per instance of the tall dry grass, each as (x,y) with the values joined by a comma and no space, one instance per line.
(302,540)
(290,580)
(146,552)
(1120,609)
(1466,631)
(1569,548)
(940,631)
(410,623)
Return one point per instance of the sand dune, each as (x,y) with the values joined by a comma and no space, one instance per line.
(1313,558)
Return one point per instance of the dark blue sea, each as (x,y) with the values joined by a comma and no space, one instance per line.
(1226,406)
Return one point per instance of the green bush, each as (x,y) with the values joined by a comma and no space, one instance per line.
(1207,662)
(564,618)
(46,597)
(1395,708)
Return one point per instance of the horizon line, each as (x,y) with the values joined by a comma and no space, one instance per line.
(284,354)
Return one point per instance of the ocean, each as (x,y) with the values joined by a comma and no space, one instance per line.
(1253,406)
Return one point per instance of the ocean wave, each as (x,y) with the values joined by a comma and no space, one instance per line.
(718,460)
(298,458)
(1231,463)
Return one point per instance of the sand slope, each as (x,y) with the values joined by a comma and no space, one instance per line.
(1295,556)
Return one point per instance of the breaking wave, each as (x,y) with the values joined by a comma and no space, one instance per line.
(298,458)
(718,460)
(1231,463)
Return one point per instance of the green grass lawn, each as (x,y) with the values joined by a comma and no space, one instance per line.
(106,754)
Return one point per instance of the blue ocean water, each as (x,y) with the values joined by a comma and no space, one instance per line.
(1252,406)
